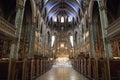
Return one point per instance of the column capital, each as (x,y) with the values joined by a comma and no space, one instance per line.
(38,2)
(20,4)
(102,5)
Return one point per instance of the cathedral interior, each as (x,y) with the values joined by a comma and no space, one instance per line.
(35,33)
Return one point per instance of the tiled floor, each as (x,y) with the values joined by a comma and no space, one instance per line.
(62,73)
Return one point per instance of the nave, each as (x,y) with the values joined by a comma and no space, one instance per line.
(34,33)
(62,72)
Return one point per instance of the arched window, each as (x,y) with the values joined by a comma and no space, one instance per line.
(52,40)
(71,40)
(69,19)
(55,19)
(62,19)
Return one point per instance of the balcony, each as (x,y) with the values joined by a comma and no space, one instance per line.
(113,29)
(7,28)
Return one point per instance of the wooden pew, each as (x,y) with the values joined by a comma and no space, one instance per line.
(46,65)
(37,67)
(29,69)
(4,65)
(87,67)
(92,68)
(33,69)
(101,69)
(23,70)
(98,69)
(19,70)
(40,66)
(115,69)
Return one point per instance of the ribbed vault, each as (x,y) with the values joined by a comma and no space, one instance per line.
(65,8)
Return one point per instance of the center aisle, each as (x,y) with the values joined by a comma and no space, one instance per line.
(62,73)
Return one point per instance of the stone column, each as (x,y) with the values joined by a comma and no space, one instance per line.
(92,48)
(92,43)
(15,44)
(18,23)
(32,37)
(104,25)
(107,46)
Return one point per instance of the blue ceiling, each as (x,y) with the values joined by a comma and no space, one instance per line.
(68,8)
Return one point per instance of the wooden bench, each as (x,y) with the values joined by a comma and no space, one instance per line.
(87,67)
(47,65)
(29,69)
(101,69)
(4,66)
(79,64)
(92,68)
(37,67)
(40,67)
(33,74)
(19,70)
(43,66)
(115,69)
(22,69)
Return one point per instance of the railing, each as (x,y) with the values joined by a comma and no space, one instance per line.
(114,28)
(7,28)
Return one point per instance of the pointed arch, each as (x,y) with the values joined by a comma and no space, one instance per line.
(33,6)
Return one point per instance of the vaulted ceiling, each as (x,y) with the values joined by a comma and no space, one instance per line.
(65,8)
